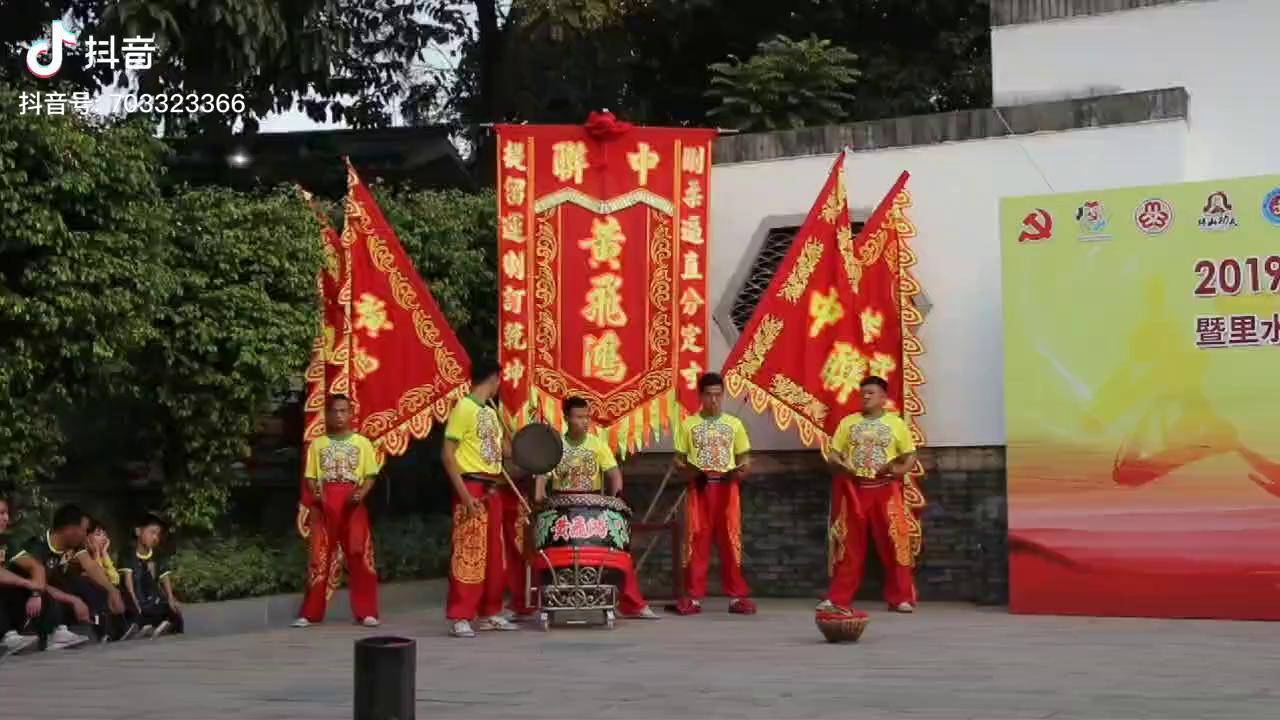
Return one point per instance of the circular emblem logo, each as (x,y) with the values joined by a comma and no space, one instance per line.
(1271,207)
(1153,216)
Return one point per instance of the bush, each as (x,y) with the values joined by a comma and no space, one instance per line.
(406,548)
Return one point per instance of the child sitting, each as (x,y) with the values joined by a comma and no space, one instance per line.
(153,608)
(107,625)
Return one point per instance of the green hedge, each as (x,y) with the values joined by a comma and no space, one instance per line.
(406,548)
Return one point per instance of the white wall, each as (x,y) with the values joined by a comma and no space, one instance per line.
(956,188)
(1224,52)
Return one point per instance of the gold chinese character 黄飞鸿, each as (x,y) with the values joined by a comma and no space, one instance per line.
(642,161)
(605,243)
(513,264)
(513,190)
(513,156)
(843,370)
(691,269)
(569,160)
(513,228)
(824,309)
(604,302)
(691,230)
(693,194)
(694,160)
(602,357)
(371,315)
(513,336)
(689,335)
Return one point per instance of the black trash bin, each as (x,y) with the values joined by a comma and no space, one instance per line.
(385,678)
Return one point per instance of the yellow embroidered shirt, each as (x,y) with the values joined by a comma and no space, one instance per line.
(583,465)
(345,459)
(712,444)
(476,429)
(865,444)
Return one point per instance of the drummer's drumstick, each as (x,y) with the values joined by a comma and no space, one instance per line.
(653,541)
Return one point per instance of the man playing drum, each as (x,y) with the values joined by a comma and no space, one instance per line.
(712,450)
(588,466)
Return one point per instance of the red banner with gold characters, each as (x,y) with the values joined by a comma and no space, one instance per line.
(603,233)
(385,343)
(839,309)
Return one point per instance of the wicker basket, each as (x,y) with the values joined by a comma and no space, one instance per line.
(839,627)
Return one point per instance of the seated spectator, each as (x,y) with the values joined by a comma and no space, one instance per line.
(12,613)
(107,625)
(45,560)
(153,608)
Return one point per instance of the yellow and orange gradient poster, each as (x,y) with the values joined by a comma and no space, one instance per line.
(1142,400)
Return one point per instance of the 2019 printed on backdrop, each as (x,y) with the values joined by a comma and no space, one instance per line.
(1142,338)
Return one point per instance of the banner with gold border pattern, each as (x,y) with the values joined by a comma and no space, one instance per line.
(406,366)
(839,308)
(602,243)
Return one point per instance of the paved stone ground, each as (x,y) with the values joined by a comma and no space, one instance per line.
(947,661)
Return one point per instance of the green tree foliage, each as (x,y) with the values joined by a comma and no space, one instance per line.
(171,321)
(81,272)
(785,84)
(347,60)
(234,333)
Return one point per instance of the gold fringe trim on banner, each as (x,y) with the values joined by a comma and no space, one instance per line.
(628,434)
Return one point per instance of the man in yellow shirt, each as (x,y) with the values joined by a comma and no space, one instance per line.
(713,452)
(341,469)
(869,455)
(474,447)
(588,466)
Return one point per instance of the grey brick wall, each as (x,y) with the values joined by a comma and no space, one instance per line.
(784,510)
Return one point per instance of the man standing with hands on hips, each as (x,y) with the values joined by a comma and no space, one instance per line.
(712,450)
(870,454)
(341,469)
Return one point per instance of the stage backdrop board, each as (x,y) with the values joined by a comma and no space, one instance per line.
(1142,399)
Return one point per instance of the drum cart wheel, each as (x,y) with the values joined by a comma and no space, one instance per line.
(610,618)
(544,621)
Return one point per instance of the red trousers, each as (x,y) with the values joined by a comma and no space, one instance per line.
(713,512)
(515,524)
(477,568)
(630,600)
(856,511)
(338,530)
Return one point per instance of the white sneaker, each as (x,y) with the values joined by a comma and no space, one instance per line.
(146,632)
(301,623)
(497,622)
(508,615)
(645,613)
(462,629)
(163,628)
(371,622)
(16,643)
(826,606)
(64,639)
(905,607)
